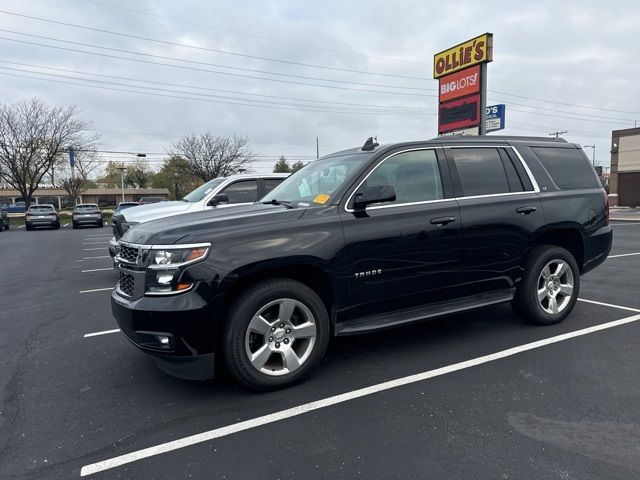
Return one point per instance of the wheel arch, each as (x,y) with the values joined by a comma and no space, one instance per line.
(567,237)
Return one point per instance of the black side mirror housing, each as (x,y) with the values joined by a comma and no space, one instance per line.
(218,199)
(374,194)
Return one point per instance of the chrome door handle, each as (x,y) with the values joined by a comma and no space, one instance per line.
(442,220)
(526,210)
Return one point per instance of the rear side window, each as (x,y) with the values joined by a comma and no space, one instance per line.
(482,172)
(568,167)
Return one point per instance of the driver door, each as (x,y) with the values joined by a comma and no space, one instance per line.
(407,252)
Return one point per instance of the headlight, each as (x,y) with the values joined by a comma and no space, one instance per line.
(165,267)
(172,257)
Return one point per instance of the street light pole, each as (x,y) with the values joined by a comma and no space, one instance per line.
(317,148)
(122,170)
(593,155)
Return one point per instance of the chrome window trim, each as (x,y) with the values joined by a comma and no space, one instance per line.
(534,183)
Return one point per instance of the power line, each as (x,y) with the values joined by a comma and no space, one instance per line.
(206,49)
(196,62)
(205,99)
(196,87)
(303,45)
(185,67)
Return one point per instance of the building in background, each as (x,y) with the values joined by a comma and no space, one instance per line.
(105,197)
(625,166)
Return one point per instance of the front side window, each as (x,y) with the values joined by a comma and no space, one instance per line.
(245,191)
(317,181)
(414,175)
(480,170)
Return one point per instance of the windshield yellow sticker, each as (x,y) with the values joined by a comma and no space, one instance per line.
(321,199)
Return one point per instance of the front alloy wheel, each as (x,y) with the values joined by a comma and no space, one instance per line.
(276,332)
(280,337)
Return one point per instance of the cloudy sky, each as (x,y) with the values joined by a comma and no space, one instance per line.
(285,72)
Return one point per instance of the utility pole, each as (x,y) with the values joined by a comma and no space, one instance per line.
(122,170)
(557,134)
(593,155)
(317,148)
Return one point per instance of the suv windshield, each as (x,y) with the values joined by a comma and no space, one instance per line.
(317,181)
(200,192)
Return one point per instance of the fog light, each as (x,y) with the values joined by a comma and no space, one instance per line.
(164,278)
(164,340)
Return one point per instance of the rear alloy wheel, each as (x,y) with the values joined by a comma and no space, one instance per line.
(276,335)
(549,289)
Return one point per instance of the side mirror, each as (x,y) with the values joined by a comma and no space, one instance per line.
(374,194)
(218,199)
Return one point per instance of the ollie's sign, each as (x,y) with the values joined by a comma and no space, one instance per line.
(467,54)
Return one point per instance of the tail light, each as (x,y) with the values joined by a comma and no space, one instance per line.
(606,206)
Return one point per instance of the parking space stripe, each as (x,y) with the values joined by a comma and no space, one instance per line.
(105,332)
(623,255)
(93,258)
(96,270)
(99,248)
(103,242)
(603,304)
(625,223)
(20,226)
(65,225)
(96,290)
(99,235)
(337,399)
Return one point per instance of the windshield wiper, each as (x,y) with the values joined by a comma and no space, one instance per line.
(273,201)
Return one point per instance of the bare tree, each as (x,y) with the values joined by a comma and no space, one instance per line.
(87,162)
(74,186)
(209,157)
(33,138)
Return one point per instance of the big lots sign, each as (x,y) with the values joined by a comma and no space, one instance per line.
(460,84)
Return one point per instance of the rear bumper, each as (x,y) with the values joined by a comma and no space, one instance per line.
(88,221)
(178,331)
(598,246)
(42,223)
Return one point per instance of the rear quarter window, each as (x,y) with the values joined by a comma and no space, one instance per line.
(568,167)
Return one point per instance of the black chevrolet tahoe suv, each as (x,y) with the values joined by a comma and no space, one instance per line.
(362,240)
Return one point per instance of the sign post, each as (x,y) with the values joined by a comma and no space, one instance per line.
(462,77)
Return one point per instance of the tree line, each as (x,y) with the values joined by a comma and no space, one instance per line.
(37,142)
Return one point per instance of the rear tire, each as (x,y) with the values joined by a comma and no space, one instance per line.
(74,226)
(7,225)
(276,333)
(550,286)
(28,228)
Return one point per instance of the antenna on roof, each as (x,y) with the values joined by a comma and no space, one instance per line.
(370,144)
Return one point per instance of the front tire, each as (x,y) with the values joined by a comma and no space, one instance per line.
(276,333)
(550,286)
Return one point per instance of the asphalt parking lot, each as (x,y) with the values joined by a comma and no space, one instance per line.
(487,402)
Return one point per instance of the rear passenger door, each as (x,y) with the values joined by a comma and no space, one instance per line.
(499,210)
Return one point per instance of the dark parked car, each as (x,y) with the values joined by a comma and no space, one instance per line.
(4,218)
(359,241)
(148,200)
(43,215)
(87,214)
(125,205)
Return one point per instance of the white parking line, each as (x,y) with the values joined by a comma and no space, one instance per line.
(96,290)
(96,270)
(65,225)
(99,235)
(87,249)
(106,332)
(93,258)
(103,242)
(337,399)
(623,255)
(621,307)
(20,226)
(625,223)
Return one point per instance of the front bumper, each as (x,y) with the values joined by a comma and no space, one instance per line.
(178,331)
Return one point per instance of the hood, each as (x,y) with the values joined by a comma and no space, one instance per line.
(202,226)
(152,211)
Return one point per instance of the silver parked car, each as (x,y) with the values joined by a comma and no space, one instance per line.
(216,193)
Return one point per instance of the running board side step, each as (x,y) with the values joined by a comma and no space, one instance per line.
(371,323)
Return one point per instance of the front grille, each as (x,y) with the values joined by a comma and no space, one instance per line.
(126,283)
(128,254)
